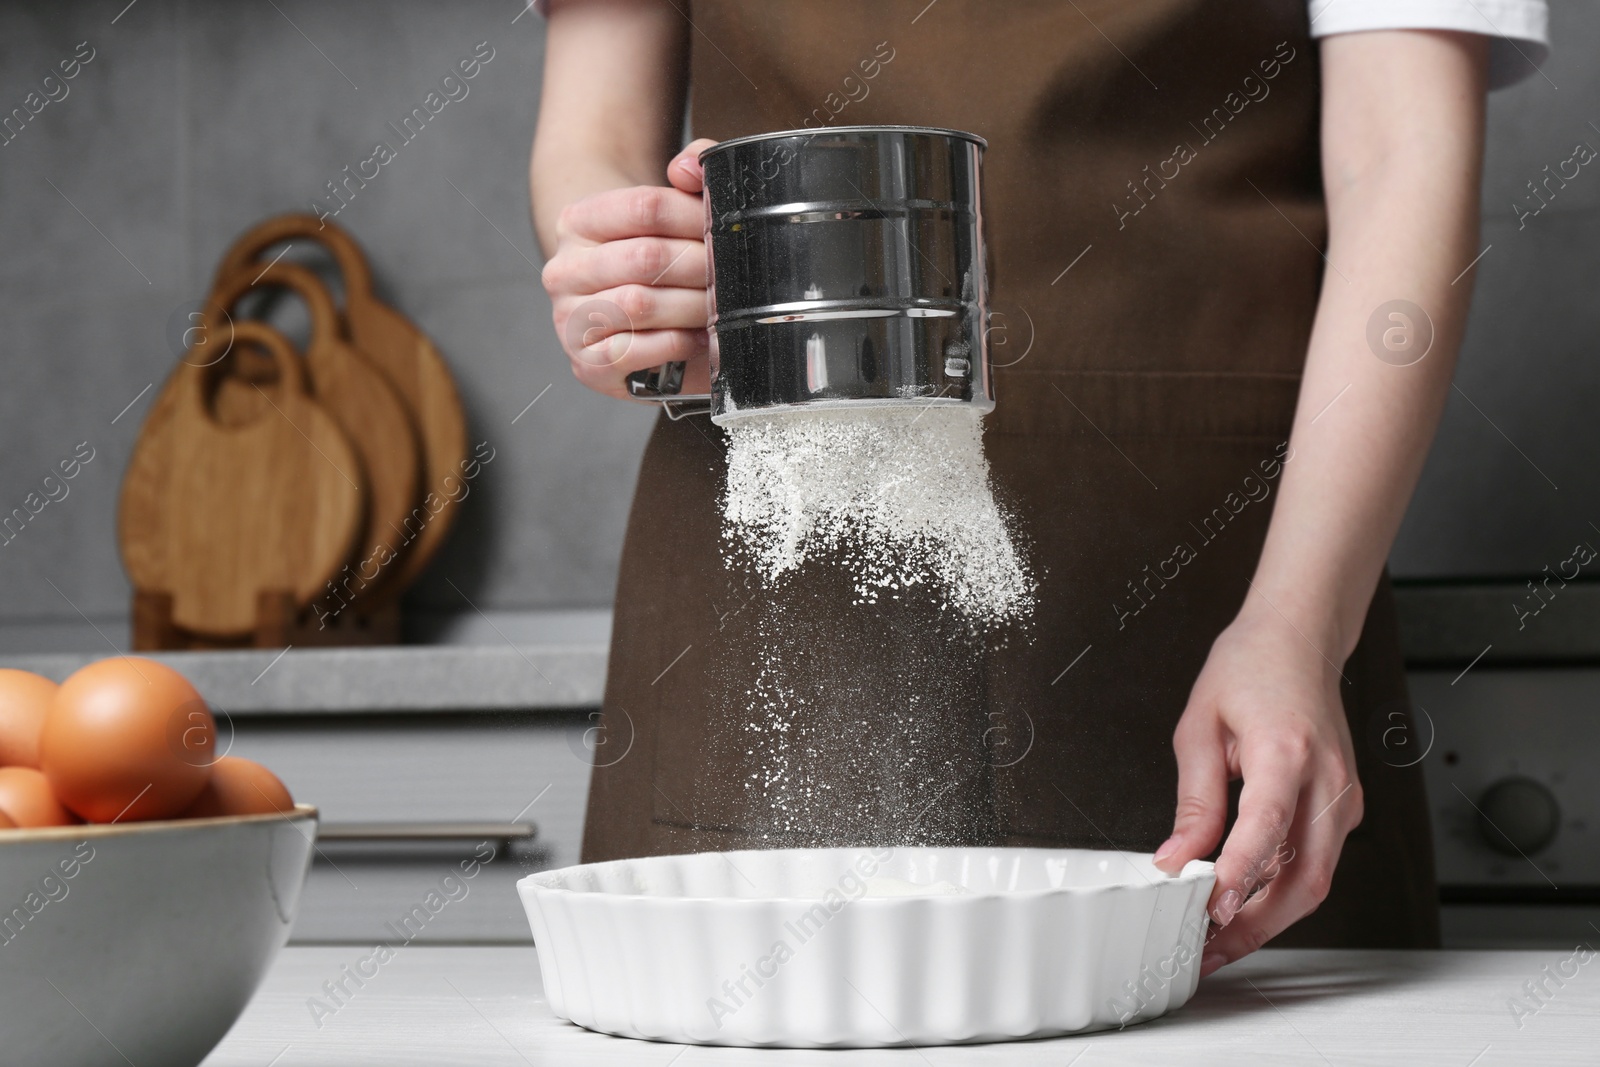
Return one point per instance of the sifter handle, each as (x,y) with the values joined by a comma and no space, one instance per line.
(661,385)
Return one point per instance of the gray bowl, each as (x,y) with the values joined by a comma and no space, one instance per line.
(142,942)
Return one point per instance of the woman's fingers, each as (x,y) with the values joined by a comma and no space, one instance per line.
(605,365)
(666,261)
(1274,771)
(1202,792)
(610,334)
(1297,878)
(583,321)
(628,281)
(684,171)
(1277,711)
(639,211)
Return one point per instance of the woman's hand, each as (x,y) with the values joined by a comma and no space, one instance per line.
(1266,707)
(628,280)
(1402,190)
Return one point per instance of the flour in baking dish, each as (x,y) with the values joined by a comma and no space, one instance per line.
(901,496)
(882,885)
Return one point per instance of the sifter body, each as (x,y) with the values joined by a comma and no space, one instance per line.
(847,269)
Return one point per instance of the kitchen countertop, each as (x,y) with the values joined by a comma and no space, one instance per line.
(483,1005)
(394,678)
(555,659)
(544,660)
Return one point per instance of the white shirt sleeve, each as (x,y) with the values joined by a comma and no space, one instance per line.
(1519,27)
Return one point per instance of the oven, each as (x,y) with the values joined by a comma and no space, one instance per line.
(1506,721)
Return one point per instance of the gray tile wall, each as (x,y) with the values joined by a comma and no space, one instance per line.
(191,122)
(194,120)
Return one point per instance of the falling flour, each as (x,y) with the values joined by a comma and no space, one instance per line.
(900,496)
(870,565)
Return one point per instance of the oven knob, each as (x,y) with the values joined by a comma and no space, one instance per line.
(1518,816)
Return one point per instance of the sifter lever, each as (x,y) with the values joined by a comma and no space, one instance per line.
(662,385)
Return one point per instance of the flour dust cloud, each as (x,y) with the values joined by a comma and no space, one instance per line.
(900,497)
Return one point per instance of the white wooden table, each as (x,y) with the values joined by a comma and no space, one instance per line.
(474,1005)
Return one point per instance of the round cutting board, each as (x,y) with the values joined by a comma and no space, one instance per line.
(405,354)
(217,514)
(367,408)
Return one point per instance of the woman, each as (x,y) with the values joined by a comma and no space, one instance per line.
(1231,251)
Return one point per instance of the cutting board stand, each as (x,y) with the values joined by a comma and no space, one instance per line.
(279,624)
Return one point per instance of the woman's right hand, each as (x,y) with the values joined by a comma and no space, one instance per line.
(628,280)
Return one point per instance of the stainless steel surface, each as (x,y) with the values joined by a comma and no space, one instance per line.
(664,384)
(1539,621)
(847,268)
(1507,750)
(426,831)
(141,942)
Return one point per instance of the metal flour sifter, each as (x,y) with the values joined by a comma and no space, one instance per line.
(847,269)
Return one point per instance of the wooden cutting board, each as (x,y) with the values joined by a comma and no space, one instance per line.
(404,353)
(214,515)
(367,408)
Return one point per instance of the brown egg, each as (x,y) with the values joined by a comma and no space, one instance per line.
(26,798)
(240,787)
(6,823)
(127,739)
(24,698)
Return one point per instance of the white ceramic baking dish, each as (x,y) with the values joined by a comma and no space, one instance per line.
(867,947)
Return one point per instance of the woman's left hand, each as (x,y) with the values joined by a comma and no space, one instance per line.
(1402,185)
(1266,708)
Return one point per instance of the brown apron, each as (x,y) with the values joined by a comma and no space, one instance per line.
(1154,211)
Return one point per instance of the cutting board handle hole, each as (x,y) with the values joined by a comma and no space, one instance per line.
(313,256)
(281,308)
(251,378)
